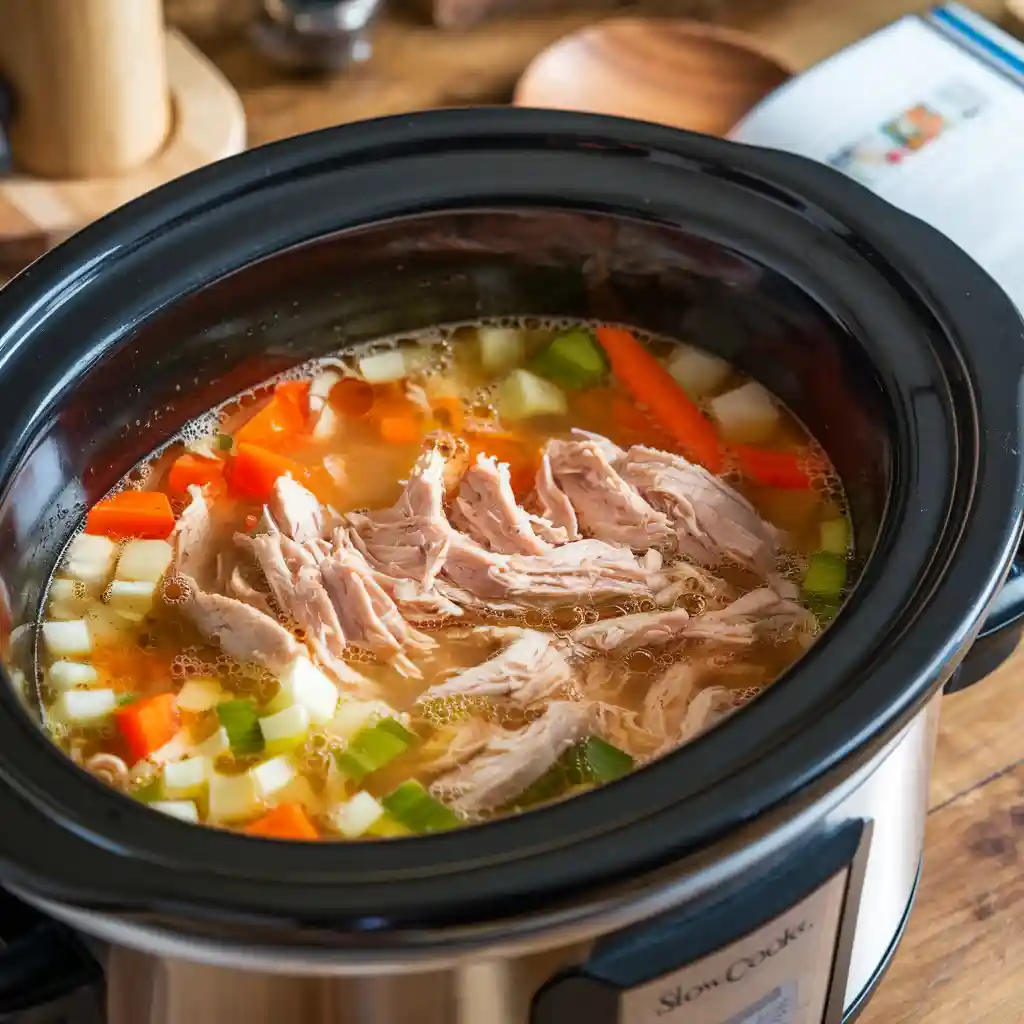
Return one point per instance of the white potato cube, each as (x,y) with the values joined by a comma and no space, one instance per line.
(186,778)
(214,745)
(352,715)
(746,414)
(130,599)
(68,599)
(233,797)
(699,372)
(144,561)
(66,675)
(356,817)
(183,810)
(90,560)
(501,348)
(272,776)
(286,729)
(70,639)
(303,683)
(81,707)
(200,694)
(382,367)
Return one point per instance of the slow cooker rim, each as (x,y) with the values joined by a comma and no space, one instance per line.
(1004,537)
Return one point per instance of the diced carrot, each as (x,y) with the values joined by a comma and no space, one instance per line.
(296,392)
(352,398)
(773,468)
(148,724)
(279,420)
(129,668)
(285,821)
(671,408)
(142,514)
(400,429)
(254,470)
(191,470)
(522,457)
(449,413)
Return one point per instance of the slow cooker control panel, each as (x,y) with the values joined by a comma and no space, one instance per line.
(774,950)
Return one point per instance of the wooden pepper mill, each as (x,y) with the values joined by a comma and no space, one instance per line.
(89,84)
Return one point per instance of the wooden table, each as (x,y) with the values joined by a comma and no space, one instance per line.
(960,961)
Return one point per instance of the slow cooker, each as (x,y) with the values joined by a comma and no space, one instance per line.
(762,873)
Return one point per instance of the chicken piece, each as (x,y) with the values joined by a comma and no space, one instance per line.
(683,578)
(513,760)
(710,522)
(555,508)
(242,632)
(486,510)
(668,697)
(295,510)
(194,539)
(627,632)
(758,613)
(607,507)
(239,588)
(532,668)
(466,740)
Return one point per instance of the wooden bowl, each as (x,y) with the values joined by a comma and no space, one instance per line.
(681,73)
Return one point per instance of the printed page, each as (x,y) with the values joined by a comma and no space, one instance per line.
(925,124)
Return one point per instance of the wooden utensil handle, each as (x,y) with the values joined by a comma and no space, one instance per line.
(90,84)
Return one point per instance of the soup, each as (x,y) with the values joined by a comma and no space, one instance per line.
(439,580)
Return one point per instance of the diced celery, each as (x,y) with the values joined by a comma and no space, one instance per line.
(412,806)
(239,719)
(215,745)
(698,372)
(90,559)
(303,683)
(746,414)
(198,695)
(522,395)
(573,360)
(225,442)
(501,348)
(131,599)
(357,816)
(285,730)
(233,797)
(69,639)
(186,778)
(66,675)
(602,762)
(835,536)
(147,792)
(81,707)
(183,810)
(373,747)
(272,776)
(383,367)
(825,576)
(591,762)
(387,827)
(353,714)
(143,561)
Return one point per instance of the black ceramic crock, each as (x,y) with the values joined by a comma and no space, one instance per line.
(901,355)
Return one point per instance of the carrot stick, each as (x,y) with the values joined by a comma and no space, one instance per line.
(254,470)
(671,408)
(148,724)
(280,419)
(191,470)
(768,467)
(286,821)
(144,514)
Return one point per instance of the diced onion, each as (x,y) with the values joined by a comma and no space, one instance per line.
(501,348)
(700,373)
(522,395)
(184,810)
(84,706)
(186,778)
(303,683)
(66,675)
(199,695)
(746,414)
(272,776)
(233,797)
(144,561)
(215,745)
(70,639)
(286,729)
(356,817)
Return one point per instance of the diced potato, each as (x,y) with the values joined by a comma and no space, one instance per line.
(356,817)
(215,745)
(81,707)
(66,675)
(285,730)
(326,424)
(187,778)
(699,372)
(746,414)
(303,683)
(130,599)
(106,626)
(522,395)
(144,561)
(90,559)
(320,388)
(272,776)
(68,599)
(199,695)
(70,639)
(233,797)
(352,715)
(501,348)
(177,747)
(184,810)
(382,367)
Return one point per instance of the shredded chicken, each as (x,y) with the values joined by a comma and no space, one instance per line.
(194,539)
(627,632)
(295,510)
(758,613)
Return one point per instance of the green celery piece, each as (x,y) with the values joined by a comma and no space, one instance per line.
(242,725)
(151,791)
(602,761)
(590,762)
(825,576)
(412,806)
(835,536)
(225,442)
(573,360)
(373,747)
(125,699)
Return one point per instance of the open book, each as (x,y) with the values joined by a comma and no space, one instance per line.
(929,114)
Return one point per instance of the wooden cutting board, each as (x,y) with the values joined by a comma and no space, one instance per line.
(208,124)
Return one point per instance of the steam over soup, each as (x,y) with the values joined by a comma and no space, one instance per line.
(439,580)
